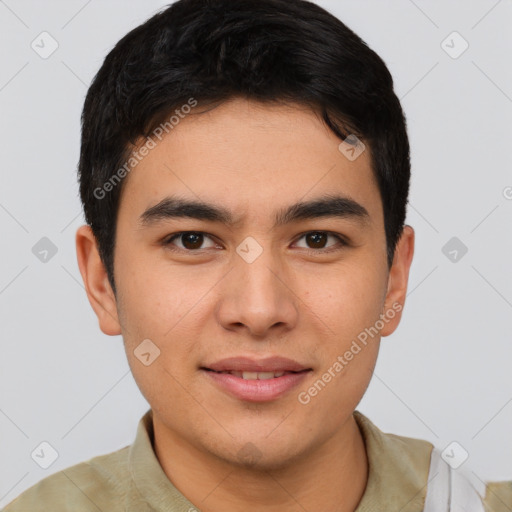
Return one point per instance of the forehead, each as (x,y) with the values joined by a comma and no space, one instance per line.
(248,156)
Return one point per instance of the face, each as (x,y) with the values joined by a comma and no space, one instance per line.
(249,277)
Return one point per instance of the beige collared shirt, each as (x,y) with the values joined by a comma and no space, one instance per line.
(132,480)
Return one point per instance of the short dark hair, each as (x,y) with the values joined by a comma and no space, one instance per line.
(214,50)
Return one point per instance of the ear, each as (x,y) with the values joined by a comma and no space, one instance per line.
(97,286)
(397,281)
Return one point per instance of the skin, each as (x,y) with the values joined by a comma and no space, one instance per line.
(293,301)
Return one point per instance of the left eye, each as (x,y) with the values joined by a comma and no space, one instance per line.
(319,238)
(193,240)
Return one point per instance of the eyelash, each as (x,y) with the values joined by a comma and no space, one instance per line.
(167,242)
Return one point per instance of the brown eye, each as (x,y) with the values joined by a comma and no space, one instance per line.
(318,240)
(190,241)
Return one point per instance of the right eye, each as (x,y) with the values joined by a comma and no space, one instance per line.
(191,241)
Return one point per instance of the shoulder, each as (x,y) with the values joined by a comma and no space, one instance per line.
(498,497)
(406,452)
(398,469)
(92,485)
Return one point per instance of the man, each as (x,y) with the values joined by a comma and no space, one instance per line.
(244,173)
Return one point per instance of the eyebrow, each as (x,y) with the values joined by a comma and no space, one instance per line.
(173,207)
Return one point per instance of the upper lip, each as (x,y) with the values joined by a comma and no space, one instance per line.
(247,364)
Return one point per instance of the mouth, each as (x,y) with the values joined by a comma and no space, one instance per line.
(256,375)
(252,386)
(255,379)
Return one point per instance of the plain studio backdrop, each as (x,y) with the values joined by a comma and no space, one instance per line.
(443,376)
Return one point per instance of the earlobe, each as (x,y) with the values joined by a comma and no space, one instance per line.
(97,286)
(398,280)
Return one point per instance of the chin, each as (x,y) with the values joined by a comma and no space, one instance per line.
(261,454)
(263,463)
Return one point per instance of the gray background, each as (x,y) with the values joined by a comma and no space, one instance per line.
(443,376)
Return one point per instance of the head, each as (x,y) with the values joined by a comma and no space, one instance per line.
(231,122)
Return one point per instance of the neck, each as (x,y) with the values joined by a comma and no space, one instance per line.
(330,477)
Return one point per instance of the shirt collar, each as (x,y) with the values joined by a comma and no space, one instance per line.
(397,478)
(398,469)
(150,488)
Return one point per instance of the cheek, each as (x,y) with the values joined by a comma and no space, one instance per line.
(349,351)
(158,337)
(159,304)
(348,299)
(355,305)
(153,297)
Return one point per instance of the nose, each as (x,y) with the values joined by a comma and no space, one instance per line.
(258,297)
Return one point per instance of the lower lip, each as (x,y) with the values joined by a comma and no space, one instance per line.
(257,390)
